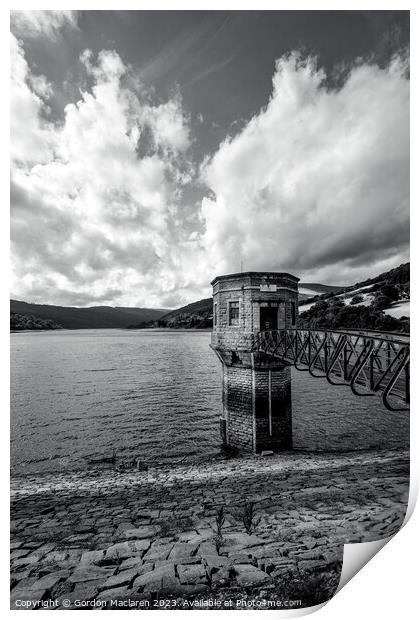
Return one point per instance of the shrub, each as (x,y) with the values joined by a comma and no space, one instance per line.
(381,302)
(390,291)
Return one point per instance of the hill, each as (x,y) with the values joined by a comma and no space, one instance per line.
(380,303)
(399,277)
(308,290)
(95,317)
(198,314)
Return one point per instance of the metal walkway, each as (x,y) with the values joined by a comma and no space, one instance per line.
(369,362)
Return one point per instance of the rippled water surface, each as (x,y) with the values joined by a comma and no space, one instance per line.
(77,395)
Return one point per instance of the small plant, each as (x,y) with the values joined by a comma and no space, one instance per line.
(220,519)
(248,517)
(218,541)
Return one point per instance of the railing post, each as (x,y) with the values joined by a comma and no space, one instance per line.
(326,354)
(407,383)
(309,347)
(371,374)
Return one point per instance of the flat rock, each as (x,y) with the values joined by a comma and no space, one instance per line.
(207,548)
(19,553)
(138,533)
(221,577)
(135,562)
(153,578)
(192,574)
(128,549)
(182,550)
(122,528)
(55,557)
(49,581)
(90,573)
(247,575)
(189,536)
(235,541)
(123,578)
(214,562)
(84,591)
(26,561)
(92,557)
(158,552)
(173,586)
(114,594)
(311,564)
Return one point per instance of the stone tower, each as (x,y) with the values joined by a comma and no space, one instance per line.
(257,407)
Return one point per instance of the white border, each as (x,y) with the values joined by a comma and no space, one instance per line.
(387,586)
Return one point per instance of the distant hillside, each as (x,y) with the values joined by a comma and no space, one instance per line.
(381,303)
(399,276)
(95,317)
(308,290)
(198,314)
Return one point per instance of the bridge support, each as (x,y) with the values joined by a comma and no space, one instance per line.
(257,406)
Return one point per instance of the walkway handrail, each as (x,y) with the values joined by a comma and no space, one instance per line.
(366,362)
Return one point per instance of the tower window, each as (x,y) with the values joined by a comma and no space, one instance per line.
(215,315)
(293,312)
(234,313)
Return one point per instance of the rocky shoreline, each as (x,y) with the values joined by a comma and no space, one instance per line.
(149,538)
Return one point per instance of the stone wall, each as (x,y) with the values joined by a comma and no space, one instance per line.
(238,407)
(257,408)
(273,410)
(246,290)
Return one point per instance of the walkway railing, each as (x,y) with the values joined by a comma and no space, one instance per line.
(368,362)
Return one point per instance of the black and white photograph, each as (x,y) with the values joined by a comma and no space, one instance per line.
(209,304)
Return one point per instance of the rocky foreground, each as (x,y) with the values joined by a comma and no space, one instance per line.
(149,539)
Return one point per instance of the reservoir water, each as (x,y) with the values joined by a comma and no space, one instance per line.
(77,395)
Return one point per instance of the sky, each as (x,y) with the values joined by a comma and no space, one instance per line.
(152,151)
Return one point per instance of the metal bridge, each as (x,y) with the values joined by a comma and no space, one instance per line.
(369,362)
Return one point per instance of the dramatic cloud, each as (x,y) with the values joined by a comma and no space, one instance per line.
(30,134)
(32,24)
(316,183)
(91,218)
(107,206)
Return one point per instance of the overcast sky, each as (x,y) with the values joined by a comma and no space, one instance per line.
(152,151)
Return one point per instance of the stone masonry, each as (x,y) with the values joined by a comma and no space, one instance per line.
(111,539)
(257,408)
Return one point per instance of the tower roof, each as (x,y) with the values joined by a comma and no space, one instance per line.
(268,275)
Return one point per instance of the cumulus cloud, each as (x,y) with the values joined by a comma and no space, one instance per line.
(32,24)
(317,182)
(91,218)
(31,138)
